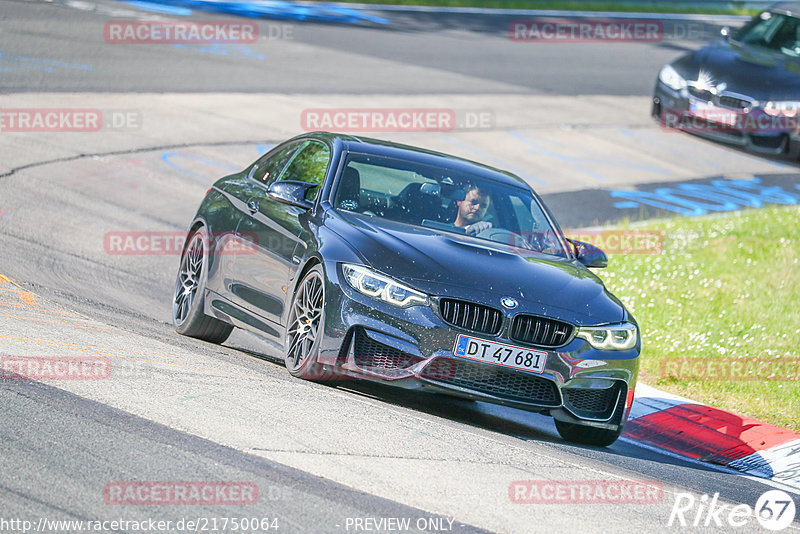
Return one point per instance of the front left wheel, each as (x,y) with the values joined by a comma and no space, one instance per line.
(189,296)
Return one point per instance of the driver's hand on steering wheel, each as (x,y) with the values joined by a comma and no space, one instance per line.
(478,227)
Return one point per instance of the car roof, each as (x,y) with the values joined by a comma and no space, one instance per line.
(368,145)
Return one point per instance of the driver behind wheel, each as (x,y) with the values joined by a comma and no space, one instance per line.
(472,210)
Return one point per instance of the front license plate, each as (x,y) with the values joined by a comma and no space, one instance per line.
(500,354)
(711,113)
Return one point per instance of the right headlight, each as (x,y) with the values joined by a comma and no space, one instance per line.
(612,337)
(378,286)
(671,78)
(782,108)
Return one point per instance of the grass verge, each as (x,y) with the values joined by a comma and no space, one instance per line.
(724,296)
(567,5)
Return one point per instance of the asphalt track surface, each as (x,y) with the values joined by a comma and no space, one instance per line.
(574,117)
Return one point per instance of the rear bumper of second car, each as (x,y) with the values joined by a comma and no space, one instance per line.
(754,131)
(413,348)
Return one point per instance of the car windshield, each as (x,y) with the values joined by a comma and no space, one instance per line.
(773,31)
(446,200)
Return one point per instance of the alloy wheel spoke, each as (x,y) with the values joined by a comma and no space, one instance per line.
(304,321)
(189,277)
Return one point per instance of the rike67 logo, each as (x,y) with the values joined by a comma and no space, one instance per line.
(774,510)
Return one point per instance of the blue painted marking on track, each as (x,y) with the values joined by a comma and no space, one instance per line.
(497,162)
(539,150)
(576,162)
(36,63)
(699,199)
(222,50)
(278,9)
(662,145)
(155,7)
(167,158)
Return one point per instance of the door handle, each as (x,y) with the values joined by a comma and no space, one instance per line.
(252,206)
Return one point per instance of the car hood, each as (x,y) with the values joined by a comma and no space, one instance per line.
(754,72)
(450,265)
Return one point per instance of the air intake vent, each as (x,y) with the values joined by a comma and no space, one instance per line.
(493,380)
(592,403)
(540,331)
(379,358)
(470,316)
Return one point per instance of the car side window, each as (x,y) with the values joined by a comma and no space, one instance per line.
(269,167)
(523,215)
(309,165)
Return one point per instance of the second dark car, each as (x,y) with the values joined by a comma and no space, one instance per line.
(372,260)
(743,90)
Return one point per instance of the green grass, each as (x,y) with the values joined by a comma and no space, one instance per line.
(575,5)
(726,286)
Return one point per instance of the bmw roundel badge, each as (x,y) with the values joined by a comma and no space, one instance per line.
(509,302)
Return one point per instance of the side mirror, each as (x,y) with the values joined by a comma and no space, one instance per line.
(291,192)
(725,32)
(588,254)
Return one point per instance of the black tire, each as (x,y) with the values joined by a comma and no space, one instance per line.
(587,435)
(189,296)
(305,329)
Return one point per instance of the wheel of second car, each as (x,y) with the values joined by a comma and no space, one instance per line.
(187,302)
(305,328)
(588,435)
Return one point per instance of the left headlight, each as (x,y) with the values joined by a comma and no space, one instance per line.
(611,337)
(375,285)
(670,77)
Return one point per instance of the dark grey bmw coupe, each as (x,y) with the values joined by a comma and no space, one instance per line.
(378,261)
(743,90)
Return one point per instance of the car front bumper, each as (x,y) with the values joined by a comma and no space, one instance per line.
(753,130)
(413,348)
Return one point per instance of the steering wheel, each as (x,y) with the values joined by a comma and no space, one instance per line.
(501,235)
